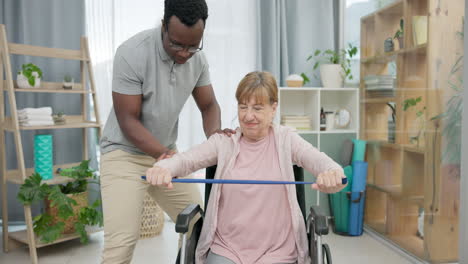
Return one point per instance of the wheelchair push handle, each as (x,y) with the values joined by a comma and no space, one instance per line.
(221,181)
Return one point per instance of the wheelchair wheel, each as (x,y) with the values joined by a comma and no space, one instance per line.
(326,254)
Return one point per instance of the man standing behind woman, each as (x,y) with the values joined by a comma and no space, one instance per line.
(155,72)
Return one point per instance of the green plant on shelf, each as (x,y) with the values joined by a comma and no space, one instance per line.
(412,103)
(399,32)
(59,118)
(28,70)
(453,111)
(48,227)
(67,78)
(341,56)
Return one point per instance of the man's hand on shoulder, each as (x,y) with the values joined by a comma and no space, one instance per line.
(227,131)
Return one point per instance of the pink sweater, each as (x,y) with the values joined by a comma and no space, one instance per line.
(223,151)
(254,221)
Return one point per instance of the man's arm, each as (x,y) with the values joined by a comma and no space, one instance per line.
(211,114)
(128,110)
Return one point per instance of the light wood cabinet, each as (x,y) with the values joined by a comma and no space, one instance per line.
(407,176)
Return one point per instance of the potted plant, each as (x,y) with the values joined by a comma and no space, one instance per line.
(399,34)
(67,82)
(335,66)
(452,116)
(59,118)
(29,76)
(67,208)
(420,123)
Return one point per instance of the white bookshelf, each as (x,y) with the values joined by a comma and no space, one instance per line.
(309,100)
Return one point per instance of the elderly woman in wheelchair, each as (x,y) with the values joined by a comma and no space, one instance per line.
(253,223)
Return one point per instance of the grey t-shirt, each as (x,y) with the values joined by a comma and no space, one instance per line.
(142,66)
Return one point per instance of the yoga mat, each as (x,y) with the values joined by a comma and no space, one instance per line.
(359,150)
(356,213)
(359,176)
(358,187)
(340,204)
(43,156)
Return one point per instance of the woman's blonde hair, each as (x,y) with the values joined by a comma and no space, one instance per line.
(259,85)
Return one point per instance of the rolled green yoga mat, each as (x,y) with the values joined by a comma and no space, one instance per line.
(359,150)
(43,156)
(340,204)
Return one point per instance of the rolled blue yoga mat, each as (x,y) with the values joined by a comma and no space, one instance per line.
(356,208)
(359,176)
(356,213)
(221,181)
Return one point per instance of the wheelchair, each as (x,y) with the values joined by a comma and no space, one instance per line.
(316,225)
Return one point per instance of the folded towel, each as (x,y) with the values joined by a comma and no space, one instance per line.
(36,111)
(36,123)
(35,117)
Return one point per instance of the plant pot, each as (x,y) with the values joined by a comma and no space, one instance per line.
(388,45)
(67,85)
(400,42)
(294,83)
(22,81)
(81,202)
(391,131)
(331,75)
(59,120)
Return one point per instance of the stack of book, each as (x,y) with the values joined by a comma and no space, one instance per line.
(380,85)
(296,121)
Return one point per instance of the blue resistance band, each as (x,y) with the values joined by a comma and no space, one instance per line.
(220,181)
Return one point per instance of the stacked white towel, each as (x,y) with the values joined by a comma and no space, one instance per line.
(35,116)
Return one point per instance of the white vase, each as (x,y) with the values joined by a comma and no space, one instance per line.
(22,81)
(331,75)
(329,119)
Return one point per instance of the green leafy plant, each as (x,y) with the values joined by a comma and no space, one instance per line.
(67,82)
(399,32)
(33,191)
(59,118)
(453,114)
(410,103)
(342,57)
(67,78)
(28,70)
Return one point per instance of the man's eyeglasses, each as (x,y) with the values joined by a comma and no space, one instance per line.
(178,47)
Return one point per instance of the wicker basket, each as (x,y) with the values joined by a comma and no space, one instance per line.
(81,201)
(294,83)
(152,218)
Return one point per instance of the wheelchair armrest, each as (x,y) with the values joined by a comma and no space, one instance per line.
(319,221)
(184,218)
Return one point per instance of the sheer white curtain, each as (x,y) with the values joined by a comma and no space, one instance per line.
(229,44)
(108,24)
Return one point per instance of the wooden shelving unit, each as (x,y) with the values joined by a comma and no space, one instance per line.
(405,177)
(12,240)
